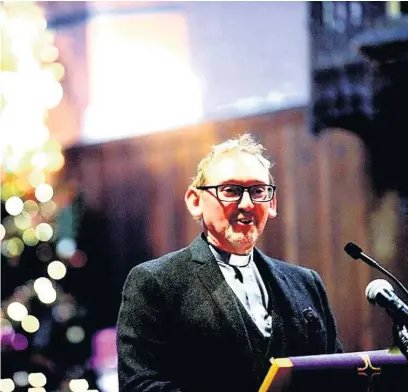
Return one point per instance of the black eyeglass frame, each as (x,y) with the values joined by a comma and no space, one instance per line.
(244,188)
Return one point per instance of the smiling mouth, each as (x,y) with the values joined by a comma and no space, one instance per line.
(245,221)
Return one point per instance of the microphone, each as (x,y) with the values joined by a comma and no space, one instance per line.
(356,252)
(380,292)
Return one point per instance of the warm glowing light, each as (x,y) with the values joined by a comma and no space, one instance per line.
(14,205)
(47,296)
(44,232)
(29,237)
(48,209)
(56,270)
(53,95)
(22,185)
(30,324)
(75,334)
(15,247)
(2,231)
(44,192)
(42,284)
(17,311)
(39,160)
(23,221)
(36,390)
(20,378)
(37,380)
(78,385)
(55,161)
(58,70)
(49,54)
(36,178)
(8,190)
(6,385)
(31,207)
(66,248)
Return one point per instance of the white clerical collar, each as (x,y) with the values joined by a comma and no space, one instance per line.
(240,260)
(229,258)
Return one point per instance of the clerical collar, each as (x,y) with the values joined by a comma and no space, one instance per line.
(230,258)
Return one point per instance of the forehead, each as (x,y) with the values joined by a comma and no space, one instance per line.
(237,167)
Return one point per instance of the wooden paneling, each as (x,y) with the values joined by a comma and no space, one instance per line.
(324,201)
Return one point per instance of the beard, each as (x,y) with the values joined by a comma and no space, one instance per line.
(240,240)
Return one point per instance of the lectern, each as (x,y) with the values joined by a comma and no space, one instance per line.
(367,371)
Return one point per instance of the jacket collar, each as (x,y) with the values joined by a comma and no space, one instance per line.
(288,325)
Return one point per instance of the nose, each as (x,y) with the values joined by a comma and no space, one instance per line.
(245,203)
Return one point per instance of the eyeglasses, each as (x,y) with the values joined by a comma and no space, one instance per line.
(258,193)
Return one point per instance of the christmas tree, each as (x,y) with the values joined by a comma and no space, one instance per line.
(45,341)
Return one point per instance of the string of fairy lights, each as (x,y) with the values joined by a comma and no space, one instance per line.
(30,159)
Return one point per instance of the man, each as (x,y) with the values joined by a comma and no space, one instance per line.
(210,316)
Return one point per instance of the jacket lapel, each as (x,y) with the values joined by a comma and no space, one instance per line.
(223,297)
(289,332)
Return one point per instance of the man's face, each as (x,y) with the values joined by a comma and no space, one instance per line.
(235,226)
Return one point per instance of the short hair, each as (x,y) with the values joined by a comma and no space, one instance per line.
(244,143)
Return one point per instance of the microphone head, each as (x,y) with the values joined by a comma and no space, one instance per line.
(353,250)
(375,287)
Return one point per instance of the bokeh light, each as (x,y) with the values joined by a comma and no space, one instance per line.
(78,259)
(47,296)
(7,385)
(17,311)
(23,293)
(6,331)
(49,54)
(2,231)
(14,247)
(44,192)
(30,324)
(58,70)
(31,207)
(36,178)
(48,209)
(23,221)
(19,342)
(56,270)
(39,160)
(43,232)
(44,252)
(66,248)
(78,385)
(21,378)
(14,205)
(75,334)
(42,284)
(9,225)
(37,380)
(29,237)
(63,312)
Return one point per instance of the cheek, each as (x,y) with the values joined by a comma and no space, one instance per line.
(214,212)
(262,214)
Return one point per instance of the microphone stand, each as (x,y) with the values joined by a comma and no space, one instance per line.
(400,331)
(400,334)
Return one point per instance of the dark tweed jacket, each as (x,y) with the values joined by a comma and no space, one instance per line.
(180,327)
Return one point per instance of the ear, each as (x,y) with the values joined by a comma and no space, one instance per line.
(192,200)
(273,207)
